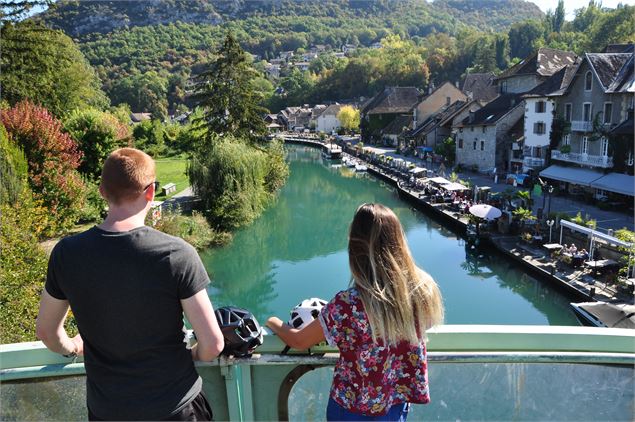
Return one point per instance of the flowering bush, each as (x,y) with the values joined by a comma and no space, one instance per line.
(53,158)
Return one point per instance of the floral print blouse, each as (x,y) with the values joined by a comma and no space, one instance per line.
(369,376)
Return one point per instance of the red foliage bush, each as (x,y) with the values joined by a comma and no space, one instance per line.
(53,158)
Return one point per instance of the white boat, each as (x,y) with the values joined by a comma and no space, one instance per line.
(603,314)
(360,167)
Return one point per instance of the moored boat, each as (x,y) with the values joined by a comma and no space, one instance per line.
(332,151)
(603,314)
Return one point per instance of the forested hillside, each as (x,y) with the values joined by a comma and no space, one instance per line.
(489,14)
(144,52)
(415,17)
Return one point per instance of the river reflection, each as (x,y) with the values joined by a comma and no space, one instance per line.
(297,249)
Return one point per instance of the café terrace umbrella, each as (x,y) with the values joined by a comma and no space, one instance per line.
(487,212)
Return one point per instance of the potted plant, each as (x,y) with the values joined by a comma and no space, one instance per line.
(565,149)
(526,237)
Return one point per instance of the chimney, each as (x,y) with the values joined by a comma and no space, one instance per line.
(471,118)
(456,84)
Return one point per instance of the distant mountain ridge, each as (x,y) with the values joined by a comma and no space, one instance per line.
(79,18)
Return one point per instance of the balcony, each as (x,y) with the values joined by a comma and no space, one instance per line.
(581,126)
(602,161)
(533,162)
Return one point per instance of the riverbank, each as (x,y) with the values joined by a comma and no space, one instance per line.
(576,284)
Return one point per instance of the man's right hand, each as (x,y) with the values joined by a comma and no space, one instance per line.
(200,313)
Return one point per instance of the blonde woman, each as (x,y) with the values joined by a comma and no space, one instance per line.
(378,324)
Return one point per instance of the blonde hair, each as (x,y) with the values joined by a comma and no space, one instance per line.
(401,300)
(125,175)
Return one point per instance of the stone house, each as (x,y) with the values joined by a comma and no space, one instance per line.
(597,105)
(485,137)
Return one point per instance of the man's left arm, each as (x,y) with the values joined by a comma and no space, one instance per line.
(49,327)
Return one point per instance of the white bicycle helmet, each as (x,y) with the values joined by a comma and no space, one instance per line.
(305,312)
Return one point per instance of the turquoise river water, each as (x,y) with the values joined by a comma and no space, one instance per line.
(297,249)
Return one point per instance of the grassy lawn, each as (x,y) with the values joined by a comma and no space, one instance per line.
(171,170)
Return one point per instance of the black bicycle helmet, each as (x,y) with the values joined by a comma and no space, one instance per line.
(240,329)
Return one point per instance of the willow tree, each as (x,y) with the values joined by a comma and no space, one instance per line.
(227,94)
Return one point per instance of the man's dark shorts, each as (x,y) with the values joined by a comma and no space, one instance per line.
(197,410)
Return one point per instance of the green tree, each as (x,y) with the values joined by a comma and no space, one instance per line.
(229,177)
(349,117)
(523,37)
(144,92)
(225,92)
(558,17)
(149,136)
(447,149)
(97,134)
(47,68)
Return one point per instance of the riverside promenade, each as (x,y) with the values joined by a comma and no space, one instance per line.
(576,283)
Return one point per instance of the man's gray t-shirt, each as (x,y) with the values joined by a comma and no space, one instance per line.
(124,289)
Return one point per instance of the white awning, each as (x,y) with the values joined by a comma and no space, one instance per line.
(594,233)
(616,182)
(454,186)
(439,180)
(577,176)
(417,170)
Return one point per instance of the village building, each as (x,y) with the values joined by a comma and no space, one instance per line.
(302,66)
(533,70)
(348,48)
(539,117)
(480,86)
(437,127)
(378,112)
(437,99)
(272,70)
(393,134)
(597,107)
(136,118)
(273,124)
(485,136)
(327,121)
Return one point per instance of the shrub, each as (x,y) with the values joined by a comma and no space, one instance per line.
(13,169)
(23,266)
(53,158)
(97,134)
(193,229)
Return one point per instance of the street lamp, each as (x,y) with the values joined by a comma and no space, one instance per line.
(550,224)
(549,191)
